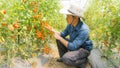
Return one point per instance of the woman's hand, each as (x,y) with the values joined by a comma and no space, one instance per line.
(57,35)
(57,32)
(51,29)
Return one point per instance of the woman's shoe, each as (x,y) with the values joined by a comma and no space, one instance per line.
(59,60)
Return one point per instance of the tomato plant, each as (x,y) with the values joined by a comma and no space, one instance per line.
(22,27)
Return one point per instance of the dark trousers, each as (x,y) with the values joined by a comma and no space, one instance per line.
(74,58)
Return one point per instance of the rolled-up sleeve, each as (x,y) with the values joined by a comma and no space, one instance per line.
(65,32)
(79,40)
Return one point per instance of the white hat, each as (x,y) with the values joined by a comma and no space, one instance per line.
(75,8)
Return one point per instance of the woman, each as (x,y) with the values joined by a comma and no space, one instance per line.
(75,50)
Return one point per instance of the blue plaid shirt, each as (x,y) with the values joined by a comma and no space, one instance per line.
(79,36)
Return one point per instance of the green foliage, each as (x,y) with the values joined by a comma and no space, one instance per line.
(103,17)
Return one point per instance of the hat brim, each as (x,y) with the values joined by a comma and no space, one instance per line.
(66,12)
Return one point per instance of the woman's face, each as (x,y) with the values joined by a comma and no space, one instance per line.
(69,19)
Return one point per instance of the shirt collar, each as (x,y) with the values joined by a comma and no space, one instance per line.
(78,26)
